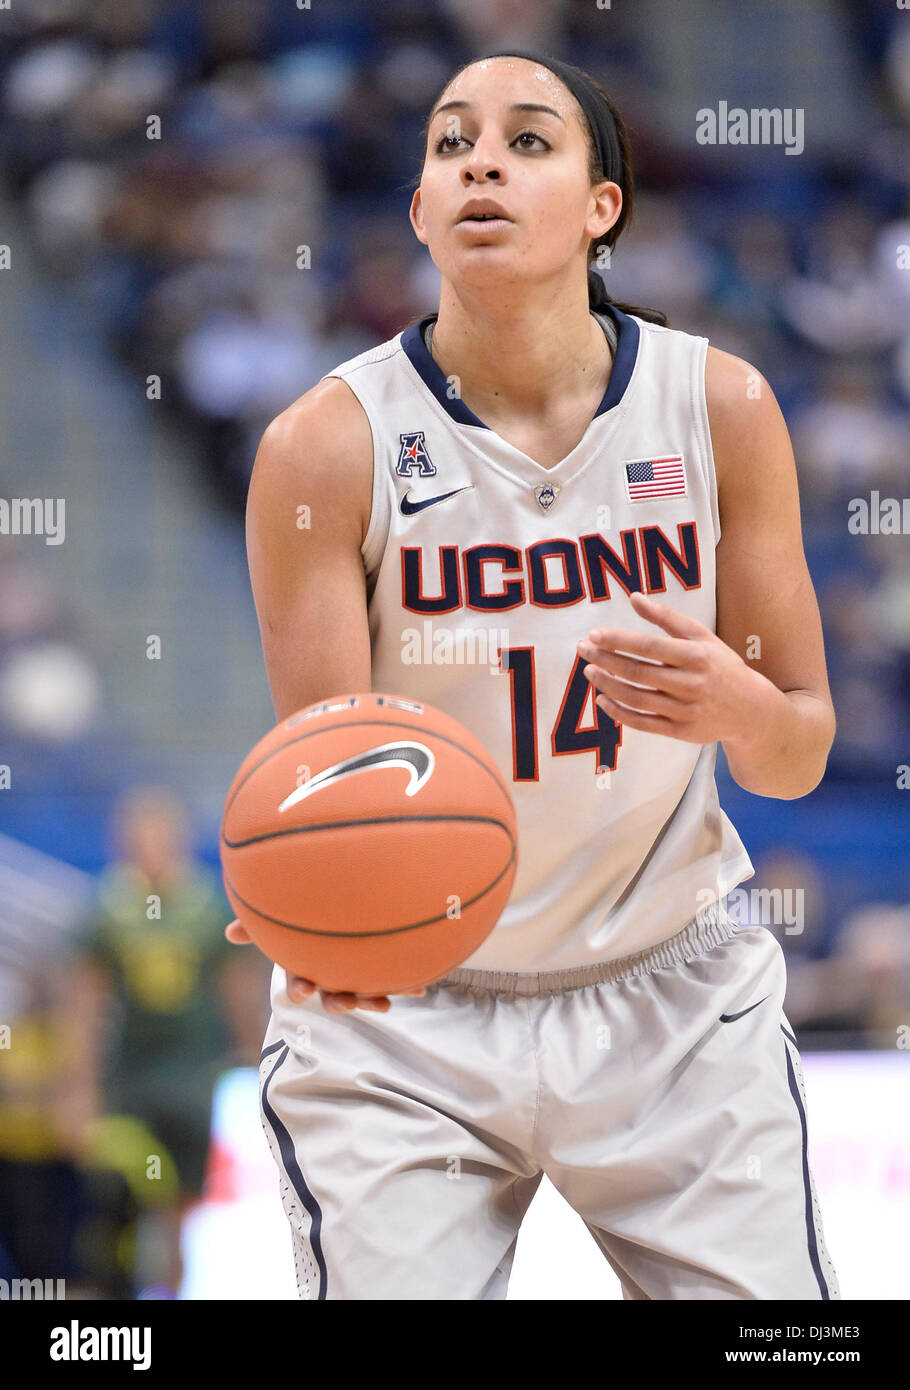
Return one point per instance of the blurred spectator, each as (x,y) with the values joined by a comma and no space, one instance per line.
(862,988)
(50,689)
(866,616)
(851,437)
(841,305)
(524,23)
(179,1002)
(40,1064)
(843,977)
(874,948)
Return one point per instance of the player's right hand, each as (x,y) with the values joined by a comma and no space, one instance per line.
(300,989)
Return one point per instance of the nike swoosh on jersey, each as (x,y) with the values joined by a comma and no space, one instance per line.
(408,508)
(731,1018)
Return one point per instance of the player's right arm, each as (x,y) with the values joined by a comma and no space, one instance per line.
(308,510)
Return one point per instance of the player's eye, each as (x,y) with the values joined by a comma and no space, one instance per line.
(534,136)
(443,143)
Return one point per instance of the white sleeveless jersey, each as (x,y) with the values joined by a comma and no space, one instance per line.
(483,571)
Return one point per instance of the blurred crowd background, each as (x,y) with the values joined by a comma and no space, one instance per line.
(161,164)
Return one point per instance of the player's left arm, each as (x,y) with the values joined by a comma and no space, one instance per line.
(764,589)
(758,685)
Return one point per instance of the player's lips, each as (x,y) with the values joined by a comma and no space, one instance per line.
(483,212)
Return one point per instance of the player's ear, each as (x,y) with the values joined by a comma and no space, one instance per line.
(605,208)
(416,216)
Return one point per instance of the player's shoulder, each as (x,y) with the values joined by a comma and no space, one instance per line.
(730,377)
(744,418)
(319,451)
(736,393)
(327,422)
(318,447)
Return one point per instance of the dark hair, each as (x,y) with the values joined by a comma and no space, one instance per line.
(596,291)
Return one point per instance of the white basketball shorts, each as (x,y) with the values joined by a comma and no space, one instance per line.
(661,1093)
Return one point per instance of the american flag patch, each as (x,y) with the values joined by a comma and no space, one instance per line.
(647,479)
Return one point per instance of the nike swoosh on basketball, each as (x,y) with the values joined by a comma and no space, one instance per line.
(408,508)
(731,1018)
(415,757)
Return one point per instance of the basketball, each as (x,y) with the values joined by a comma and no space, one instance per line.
(368,843)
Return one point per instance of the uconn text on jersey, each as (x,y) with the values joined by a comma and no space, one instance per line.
(555,573)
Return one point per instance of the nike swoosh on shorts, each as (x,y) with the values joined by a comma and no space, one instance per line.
(731,1018)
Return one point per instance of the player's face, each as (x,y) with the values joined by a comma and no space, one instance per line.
(154,840)
(532,163)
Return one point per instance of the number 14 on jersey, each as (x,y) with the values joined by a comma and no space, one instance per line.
(568,734)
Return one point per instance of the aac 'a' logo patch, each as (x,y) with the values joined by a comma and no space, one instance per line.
(414,451)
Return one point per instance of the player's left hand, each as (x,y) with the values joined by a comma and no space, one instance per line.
(702,692)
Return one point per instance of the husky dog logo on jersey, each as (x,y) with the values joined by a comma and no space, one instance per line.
(547,494)
(413,450)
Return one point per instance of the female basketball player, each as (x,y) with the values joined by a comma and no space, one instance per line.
(539,461)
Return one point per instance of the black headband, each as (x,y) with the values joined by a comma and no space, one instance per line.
(603,132)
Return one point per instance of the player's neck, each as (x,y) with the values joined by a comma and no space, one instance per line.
(529,359)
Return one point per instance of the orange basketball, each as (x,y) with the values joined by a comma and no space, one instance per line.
(368,843)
